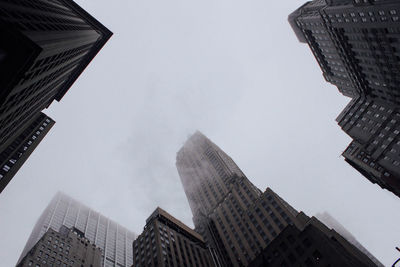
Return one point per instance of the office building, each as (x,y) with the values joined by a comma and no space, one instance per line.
(312,244)
(68,247)
(16,153)
(235,218)
(357,44)
(166,241)
(114,240)
(45,46)
(332,223)
(375,149)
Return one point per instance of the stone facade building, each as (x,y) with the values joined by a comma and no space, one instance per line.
(114,240)
(166,241)
(357,45)
(68,247)
(238,221)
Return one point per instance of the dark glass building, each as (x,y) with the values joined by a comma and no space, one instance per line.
(236,219)
(67,247)
(357,45)
(16,153)
(166,241)
(44,46)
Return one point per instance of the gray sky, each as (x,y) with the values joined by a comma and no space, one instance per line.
(232,69)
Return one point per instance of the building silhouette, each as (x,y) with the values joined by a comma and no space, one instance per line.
(236,219)
(45,46)
(166,241)
(16,153)
(356,44)
(68,247)
(114,240)
(331,222)
(313,244)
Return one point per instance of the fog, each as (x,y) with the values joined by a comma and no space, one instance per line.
(233,70)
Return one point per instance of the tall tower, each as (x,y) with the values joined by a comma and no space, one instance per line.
(114,240)
(238,222)
(236,219)
(17,152)
(45,45)
(357,44)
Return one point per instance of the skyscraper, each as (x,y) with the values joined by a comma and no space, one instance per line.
(331,222)
(45,46)
(237,221)
(114,240)
(357,44)
(375,148)
(16,153)
(67,247)
(166,241)
(311,245)
(235,218)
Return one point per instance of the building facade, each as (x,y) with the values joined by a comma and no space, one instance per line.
(357,44)
(332,223)
(236,219)
(68,247)
(114,240)
(166,241)
(311,245)
(45,46)
(16,153)
(375,149)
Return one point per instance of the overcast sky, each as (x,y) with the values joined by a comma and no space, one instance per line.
(231,69)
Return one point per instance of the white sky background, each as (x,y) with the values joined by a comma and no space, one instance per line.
(232,69)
